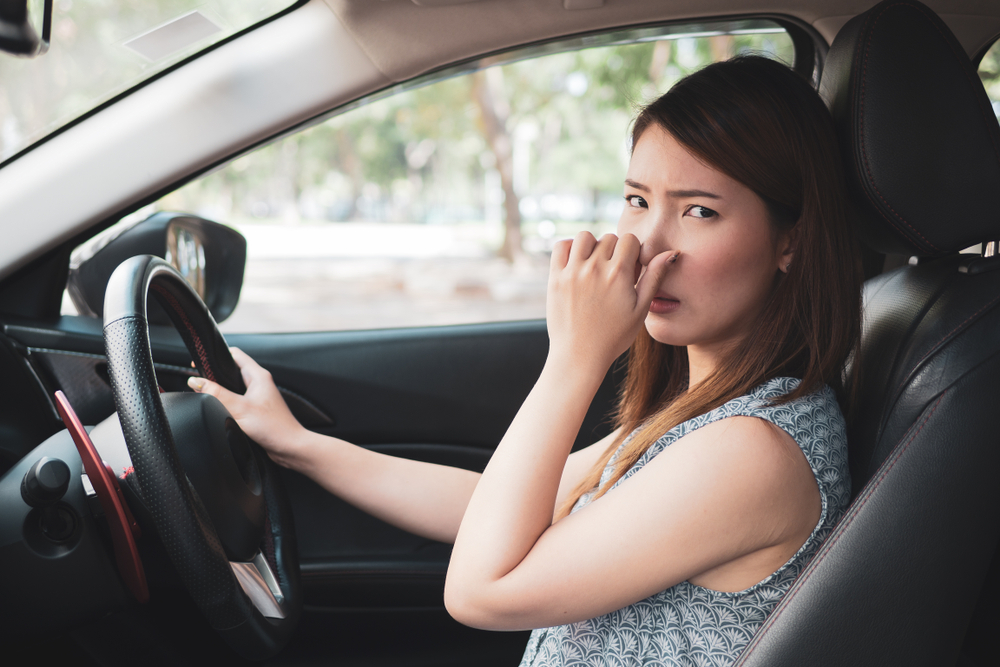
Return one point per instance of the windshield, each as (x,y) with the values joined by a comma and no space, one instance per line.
(101,48)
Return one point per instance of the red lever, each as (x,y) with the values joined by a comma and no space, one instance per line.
(122,525)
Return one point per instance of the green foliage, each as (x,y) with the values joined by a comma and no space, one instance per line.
(989,72)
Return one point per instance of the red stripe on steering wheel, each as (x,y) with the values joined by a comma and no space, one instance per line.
(202,355)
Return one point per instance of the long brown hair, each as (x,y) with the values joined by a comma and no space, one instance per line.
(760,123)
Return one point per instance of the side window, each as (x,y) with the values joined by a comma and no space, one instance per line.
(989,72)
(439,204)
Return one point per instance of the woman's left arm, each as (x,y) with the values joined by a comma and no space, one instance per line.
(511,567)
(732,489)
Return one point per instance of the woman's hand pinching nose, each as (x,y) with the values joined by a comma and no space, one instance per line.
(649,283)
(674,254)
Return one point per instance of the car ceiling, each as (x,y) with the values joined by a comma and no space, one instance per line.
(404,38)
(295,68)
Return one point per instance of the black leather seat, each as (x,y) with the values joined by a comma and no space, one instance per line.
(909,576)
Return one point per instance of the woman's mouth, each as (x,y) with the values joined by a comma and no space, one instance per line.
(664,303)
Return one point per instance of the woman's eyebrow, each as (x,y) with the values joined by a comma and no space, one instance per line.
(680,194)
(692,193)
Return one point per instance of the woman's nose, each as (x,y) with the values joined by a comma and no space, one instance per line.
(652,233)
(652,245)
(647,252)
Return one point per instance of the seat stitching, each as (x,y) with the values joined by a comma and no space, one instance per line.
(861,137)
(841,529)
(948,335)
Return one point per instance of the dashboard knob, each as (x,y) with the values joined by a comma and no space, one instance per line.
(45,483)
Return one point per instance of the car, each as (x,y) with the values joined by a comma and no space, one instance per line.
(86,193)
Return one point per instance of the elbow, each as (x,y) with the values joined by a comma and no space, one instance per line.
(462,607)
(476,611)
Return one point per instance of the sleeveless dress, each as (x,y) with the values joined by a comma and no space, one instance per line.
(692,626)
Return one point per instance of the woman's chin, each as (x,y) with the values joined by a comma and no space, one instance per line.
(662,332)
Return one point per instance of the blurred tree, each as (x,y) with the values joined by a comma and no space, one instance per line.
(494,109)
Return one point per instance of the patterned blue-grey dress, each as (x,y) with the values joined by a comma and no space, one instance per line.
(688,625)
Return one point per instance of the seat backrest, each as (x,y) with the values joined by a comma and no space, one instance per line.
(897,582)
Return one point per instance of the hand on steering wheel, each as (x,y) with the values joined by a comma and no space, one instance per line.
(261,412)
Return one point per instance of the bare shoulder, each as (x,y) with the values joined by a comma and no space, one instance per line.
(754,465)
(747,441)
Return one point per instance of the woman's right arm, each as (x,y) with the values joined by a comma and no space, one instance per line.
(423,498)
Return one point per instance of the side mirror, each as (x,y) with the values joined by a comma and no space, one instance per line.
(17,35)
(210,256)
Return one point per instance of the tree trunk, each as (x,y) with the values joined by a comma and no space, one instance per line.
(494,109)
(722,47)
(351,166)
(658,64)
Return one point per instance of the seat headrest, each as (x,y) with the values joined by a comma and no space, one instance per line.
(919,138)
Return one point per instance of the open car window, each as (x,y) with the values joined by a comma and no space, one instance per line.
(989,72)
(438,203)
(101,49)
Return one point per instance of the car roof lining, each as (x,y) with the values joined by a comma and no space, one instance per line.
(404,39)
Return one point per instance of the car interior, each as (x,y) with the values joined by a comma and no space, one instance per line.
(189,566)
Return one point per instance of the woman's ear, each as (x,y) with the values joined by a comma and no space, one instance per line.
(789,242)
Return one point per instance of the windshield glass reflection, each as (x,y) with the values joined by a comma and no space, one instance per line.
(100,49)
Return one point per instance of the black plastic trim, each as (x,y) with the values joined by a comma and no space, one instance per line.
(977,60)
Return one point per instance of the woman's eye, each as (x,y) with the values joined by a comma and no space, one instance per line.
(701,212)
(635,201)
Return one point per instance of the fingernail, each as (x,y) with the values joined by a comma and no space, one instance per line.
(196,383)
(674,258)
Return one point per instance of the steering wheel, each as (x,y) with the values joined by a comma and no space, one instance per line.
(218,507)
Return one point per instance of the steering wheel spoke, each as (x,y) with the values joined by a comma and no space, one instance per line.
(258,582)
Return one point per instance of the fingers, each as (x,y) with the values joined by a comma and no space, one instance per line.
(583,247)
(249,369)
(560,254)
(203,386)
(241,358)
(623,253)
(650,281)
(626,251)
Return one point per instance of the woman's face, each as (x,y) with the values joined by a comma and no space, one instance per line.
(730,254)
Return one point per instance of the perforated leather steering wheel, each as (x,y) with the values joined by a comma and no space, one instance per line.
(231,539)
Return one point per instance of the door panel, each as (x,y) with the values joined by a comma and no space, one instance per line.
(444,395)
(440,385)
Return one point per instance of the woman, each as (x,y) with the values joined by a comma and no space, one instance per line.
(735,280)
